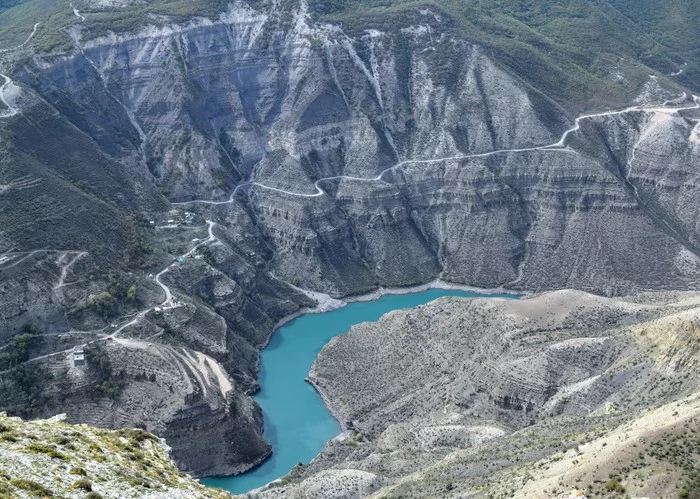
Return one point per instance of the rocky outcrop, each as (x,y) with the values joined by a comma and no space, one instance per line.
(329,157)
(177,393)
(462,396)
(211,106)
(49,458)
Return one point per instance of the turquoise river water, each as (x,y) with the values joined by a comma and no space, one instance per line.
(297,423)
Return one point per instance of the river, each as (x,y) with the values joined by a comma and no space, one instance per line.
(297,423)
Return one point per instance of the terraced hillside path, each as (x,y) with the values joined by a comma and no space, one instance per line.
(559,146)
(12,259)
(167,303)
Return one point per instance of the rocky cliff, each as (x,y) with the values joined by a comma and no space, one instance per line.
(329,147)
(50,458)
(177,393)
(266,145)
(485,397)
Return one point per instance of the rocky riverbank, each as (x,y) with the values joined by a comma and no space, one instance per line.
(481,397)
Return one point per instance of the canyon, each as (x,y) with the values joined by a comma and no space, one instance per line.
(234,169)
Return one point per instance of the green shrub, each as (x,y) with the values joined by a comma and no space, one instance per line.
(83,484)
(8,437)
(35,489)
(94,495)
(78,471)
(48,450)
(614,486)
(137,435)
(61,440)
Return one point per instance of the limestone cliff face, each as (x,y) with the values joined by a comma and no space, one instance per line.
(213,105)
(473,397)
(451,167)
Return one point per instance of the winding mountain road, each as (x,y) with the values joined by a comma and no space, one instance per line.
(77,13)
(12,111)
(559,146)
(168,303)
(17,47)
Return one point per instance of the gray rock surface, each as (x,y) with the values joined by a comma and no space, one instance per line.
(180,394)
(212,106)
(460,396)
(244,119)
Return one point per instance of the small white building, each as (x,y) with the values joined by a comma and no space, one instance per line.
(78,356)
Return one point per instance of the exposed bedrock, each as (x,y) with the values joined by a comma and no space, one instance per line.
(463,396)
(210,106)
(178,393)
(255,118)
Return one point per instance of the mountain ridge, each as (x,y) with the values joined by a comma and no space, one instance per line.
(180,160)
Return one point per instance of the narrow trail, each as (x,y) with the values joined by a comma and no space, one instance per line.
(559,146)
(17,47)
(77,13)
(680,71)
(67,267)
(27,255)
(11,110)
(168,302)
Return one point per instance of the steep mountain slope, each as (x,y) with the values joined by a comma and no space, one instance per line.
(272,147)
(88,462)
(484,398)
(180,394)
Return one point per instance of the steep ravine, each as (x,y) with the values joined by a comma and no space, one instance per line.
(484,398)
(191,114)
(218,108)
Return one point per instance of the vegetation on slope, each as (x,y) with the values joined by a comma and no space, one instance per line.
(18,16)
(584,53)
(574,52)
(51,458)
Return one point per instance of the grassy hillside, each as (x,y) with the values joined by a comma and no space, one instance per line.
(575,51)
(584,52)
(673,24)
(17,17)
